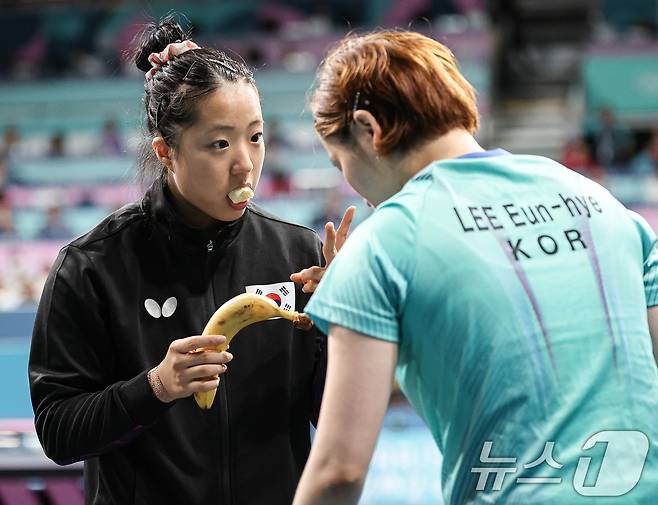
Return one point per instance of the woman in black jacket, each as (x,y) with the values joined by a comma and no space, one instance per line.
(110,371)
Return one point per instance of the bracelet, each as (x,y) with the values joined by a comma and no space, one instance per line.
(157,386)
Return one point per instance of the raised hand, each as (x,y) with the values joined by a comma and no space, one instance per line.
(333,242)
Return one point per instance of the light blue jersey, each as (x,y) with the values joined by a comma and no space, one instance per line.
(517,292)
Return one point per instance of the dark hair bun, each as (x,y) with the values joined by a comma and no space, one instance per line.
(155,38)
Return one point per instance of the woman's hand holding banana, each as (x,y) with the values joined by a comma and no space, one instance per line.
(333,241)
(193,364)
(185,371)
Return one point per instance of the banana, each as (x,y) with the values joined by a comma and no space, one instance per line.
(240,195)
(240,312)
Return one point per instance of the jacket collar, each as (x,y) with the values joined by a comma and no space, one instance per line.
(158,205)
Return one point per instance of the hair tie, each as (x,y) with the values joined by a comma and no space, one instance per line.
(159,60)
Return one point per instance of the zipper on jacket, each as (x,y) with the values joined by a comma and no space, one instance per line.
(225,434)
(222,392)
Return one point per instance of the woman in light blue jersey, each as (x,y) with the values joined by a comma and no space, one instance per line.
(508,295)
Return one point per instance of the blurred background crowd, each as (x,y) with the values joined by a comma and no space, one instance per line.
(575,80)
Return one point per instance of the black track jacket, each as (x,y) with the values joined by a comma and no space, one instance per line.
(96,336)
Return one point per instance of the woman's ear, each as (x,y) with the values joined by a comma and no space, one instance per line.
(162,151)
(367,130)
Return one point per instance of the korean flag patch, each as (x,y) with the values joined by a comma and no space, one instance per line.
(282,293)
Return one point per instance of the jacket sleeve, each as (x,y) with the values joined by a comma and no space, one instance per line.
(320,367)
(80,410)
(319,375)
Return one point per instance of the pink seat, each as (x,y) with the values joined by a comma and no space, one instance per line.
(64,492)
(15,492)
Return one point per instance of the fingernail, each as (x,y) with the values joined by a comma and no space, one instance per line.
(229,356)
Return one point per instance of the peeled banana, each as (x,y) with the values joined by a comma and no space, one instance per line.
(240,312)
(240,195)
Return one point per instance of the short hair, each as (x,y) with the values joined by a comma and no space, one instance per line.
(408,81)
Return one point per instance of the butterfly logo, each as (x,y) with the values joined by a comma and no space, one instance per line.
(167,310)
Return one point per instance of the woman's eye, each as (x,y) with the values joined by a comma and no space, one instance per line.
(257,137)
(220,144)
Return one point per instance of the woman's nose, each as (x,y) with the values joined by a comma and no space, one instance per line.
(242,162)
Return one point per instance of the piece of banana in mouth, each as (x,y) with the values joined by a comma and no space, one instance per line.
(240,195)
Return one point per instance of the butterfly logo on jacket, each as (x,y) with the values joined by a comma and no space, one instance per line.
(167,310)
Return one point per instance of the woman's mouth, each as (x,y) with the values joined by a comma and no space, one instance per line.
(239,197)
(237,206)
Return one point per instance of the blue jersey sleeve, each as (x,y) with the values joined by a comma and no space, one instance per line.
(365,287)
(650,259)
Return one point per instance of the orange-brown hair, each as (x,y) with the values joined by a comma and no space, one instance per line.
(408,81)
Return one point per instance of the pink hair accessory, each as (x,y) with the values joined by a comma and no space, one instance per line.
(159,60)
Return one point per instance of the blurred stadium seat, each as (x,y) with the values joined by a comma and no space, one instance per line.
(15,492)
(63,492)
(623,77)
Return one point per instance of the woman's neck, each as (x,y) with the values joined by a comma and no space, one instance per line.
(191,215)
(453,144)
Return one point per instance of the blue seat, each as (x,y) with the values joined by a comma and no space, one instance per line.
(67,170)
(28,222)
